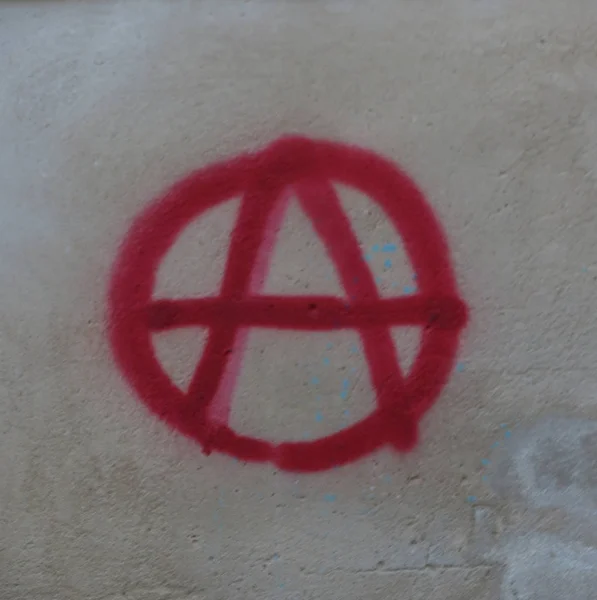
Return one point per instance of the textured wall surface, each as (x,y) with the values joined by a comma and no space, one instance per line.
(491,107)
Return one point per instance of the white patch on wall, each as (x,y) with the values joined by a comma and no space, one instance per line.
(542,567)
(554,465)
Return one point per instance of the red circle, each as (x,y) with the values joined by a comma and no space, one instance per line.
(309,166)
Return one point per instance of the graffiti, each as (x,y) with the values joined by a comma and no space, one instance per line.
(263,179)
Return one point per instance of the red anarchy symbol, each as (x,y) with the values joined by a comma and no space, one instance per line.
(309,167)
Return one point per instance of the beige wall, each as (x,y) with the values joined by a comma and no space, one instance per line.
(491,106)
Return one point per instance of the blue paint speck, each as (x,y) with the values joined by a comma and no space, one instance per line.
(318,398)
(326,361)
(367,257)
(343,394)
(346,413)
(504,425)
(345,383)
(387,263)
(353,370)
(495,445)
(318,417)
(471,498)
(460,367)
(330,497)
(375,247)
(354,349)
(409,289)
(329,346)
(484,461)
(584,270)
(508,434)
(484,478)
(389,248)
(315,381)
(378,280)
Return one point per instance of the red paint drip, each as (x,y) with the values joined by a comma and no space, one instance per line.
(263,179)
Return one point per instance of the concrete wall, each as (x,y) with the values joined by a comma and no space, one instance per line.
(491,107)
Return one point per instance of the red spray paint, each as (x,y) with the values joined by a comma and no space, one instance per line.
(263,179)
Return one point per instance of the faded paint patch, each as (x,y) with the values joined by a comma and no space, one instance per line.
(542,567)
(551,465)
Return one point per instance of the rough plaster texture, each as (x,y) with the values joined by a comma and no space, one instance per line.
(491,105)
